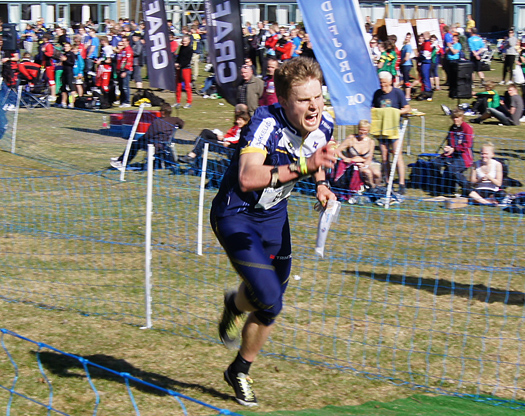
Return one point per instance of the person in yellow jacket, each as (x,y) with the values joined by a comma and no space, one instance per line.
(197,51)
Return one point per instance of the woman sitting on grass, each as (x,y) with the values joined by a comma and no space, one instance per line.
(486,178)
(358,150)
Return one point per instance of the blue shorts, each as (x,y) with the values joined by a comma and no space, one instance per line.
(259,249)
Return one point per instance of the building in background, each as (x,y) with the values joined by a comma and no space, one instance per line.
(490,15)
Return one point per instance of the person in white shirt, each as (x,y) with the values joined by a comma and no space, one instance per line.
(486,178)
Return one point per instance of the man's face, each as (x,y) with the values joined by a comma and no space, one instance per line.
(458,121)
(304,106)
(185,41)
(246,72)
(513,91)
(272,66)
(385,84)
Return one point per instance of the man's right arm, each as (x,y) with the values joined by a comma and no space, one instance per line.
(254,175)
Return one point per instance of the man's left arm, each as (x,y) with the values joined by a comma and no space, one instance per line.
(322,187)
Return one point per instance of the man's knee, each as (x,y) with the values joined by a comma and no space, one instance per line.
(267,316)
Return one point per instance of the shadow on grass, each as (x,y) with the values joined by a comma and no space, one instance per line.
(442,287)
(66,366)
(102,132)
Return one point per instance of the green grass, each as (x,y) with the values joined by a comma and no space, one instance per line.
(396,297)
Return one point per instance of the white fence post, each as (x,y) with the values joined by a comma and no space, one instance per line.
(149,212)
(130,140)
(15,121)
(394,163)
(201,198)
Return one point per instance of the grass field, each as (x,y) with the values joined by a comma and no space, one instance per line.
(416,295)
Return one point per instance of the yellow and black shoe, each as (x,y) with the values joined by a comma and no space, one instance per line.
(231,324)
(242,386)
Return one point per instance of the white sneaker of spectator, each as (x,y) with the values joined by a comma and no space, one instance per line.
(522,119)
(205,96)
(117,164)
(125,105)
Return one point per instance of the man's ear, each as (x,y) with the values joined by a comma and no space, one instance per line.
(283,102)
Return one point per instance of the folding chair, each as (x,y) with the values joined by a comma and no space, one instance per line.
(36,91)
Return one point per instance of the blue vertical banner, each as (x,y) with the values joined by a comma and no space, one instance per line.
(225,45)
(337,34)
(161,67)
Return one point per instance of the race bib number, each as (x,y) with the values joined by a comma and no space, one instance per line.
(272,196)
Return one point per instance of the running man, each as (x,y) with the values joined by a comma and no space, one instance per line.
(283,143)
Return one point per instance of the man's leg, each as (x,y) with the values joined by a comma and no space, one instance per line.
(400,165)
(385,163)
(262,257)
(455,171)
(435,176)
(500,115)
(254,336)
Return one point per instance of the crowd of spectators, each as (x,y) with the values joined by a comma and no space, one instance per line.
(89,59)
(86,60)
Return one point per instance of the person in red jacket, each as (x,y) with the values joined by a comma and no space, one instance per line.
(285,47)
(47,49)
(103,78)
(272,40)
(124,70)
(456,158)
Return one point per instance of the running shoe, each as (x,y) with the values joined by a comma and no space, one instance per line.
(242,386)
(230,324)
(446,110)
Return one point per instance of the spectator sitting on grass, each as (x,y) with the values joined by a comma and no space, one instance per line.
(159,133)
(230,139)
(358,150)
(486,99)
(508,114)
(486,178)
(455,159)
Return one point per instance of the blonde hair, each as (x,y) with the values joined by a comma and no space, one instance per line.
(295,72)
(489,145)
(363,124)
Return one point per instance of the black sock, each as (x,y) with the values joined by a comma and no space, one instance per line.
(230,304)
(240,365)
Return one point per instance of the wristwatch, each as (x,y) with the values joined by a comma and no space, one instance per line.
(294,167)
(323,182)
(275,177)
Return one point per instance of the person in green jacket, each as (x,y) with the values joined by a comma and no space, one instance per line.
(486,99)
(388,58)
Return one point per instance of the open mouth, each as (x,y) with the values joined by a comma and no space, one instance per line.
(311,119)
